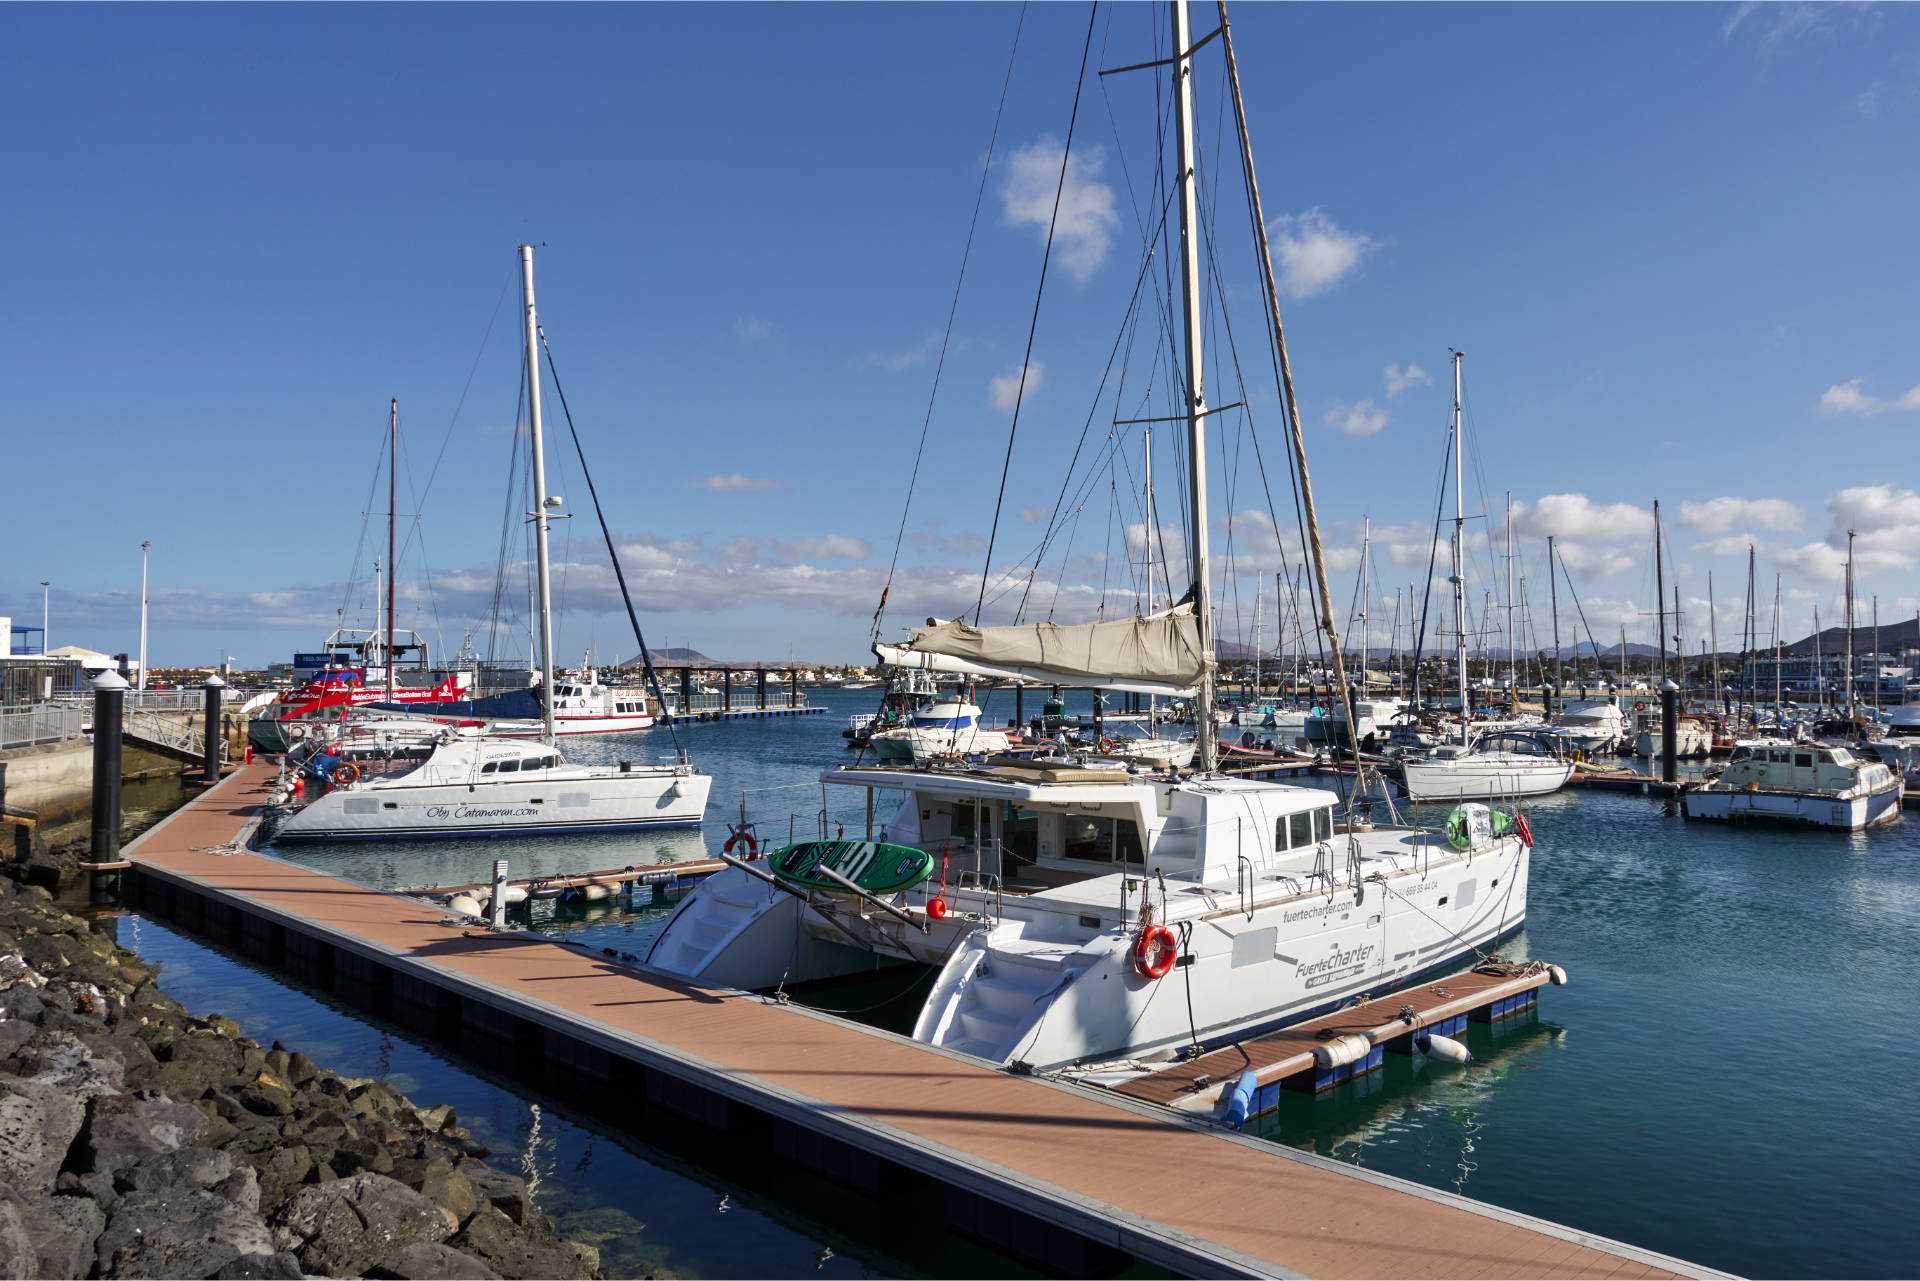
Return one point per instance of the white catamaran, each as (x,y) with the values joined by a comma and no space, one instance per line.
(1087,911)
(465,781)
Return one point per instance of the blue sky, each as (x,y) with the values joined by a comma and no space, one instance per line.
(1676,242)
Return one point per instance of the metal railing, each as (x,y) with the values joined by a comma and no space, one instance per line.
(156,728)
(27,726)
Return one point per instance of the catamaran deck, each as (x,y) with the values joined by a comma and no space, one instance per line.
(1092,1164)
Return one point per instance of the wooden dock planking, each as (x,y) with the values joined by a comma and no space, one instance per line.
(1283,1053)
(1167,1190)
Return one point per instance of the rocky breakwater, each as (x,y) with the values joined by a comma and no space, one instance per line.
(139,1141)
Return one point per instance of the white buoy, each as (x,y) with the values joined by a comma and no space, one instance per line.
(1342,1050)
(1558,975)
(1448,1050)
(595,892)
(514,894)
(465,904)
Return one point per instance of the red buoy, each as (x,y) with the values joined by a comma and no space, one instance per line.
(937,908)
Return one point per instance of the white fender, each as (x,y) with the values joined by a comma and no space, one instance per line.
(1342,1050)
(1558,975)
(1448,1050)
(465,904)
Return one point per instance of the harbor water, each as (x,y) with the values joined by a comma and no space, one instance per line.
(1722,1080)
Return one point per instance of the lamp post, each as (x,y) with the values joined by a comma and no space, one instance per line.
(44,583)
(141,682)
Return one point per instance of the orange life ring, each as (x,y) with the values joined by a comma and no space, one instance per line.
(743,836)
(1521,830)
(346,772)
(1106,745)
(1155,951)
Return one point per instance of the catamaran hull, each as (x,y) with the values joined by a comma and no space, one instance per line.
(1007,991)
(1793,809)
(547,807)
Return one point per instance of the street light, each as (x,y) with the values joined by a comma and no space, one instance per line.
(43,614)
(144,544)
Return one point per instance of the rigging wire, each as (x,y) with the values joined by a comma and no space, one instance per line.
(1033,325)
(952,310)
(613,553)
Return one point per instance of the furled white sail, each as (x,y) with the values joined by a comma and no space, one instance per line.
(1151,654)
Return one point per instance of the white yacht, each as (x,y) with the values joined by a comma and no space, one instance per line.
(1476,766)
(951,727)
(1081,913)
(466,779)
(1595,726)
(1083,908)
(1455,772)
(1799,784)
(462,781)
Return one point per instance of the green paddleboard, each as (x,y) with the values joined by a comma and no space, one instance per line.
(875,867)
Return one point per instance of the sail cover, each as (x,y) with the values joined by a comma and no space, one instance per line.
(1151,654)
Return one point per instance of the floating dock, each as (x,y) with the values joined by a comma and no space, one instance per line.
(742,714)
(1069,1180)
(1312,1057)
(1624,780)
(624,881)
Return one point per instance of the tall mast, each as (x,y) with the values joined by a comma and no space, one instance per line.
(1553,593)
(1623,656)
(1153,532)
(1366,608)
(1513,671)
(1713,633)
(1296,438)
(1777,714)
(540,500)
(1660,590)
(1196,412)
(1459,578)
(1876,652)
(393,445)
(1819,671)
(1848,709)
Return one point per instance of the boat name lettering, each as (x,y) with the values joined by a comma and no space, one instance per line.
(469,811)
(1336,964)
(1323,911)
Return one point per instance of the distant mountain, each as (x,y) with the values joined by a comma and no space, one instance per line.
(1894,637)
(675,655)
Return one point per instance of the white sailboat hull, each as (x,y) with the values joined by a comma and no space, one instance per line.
(562,801)
(1484,775)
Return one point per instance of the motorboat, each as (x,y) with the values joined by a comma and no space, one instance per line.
(951,727)
(1694,734)
(1596,726)
(1799,784)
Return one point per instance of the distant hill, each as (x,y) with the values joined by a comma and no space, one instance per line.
(674,655)
(1894,637)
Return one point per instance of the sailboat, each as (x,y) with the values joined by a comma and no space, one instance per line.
(1068,892)
(460,780)
(1467,769)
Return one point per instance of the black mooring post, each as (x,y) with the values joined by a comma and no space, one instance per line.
(761,688)
(726,689)
(1019,704)
(109,701)
(1669,730)
(686,691)
(210,756)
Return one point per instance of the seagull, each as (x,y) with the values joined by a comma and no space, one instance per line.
(723,1203)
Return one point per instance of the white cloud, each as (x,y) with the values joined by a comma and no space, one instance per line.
(1730,545)
(1314,253)
(1007,391)
(896,361)
(1083,231)
(824,546)
(1398,379)
(1356,420)
(1594,562)
(1575,517)
(1848,398)
(751,328)
(1035,515)
(736,483)
(1718,515)
(1885,523)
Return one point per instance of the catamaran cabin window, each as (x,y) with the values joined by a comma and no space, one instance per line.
(1803,759)
(535,762)
(1293,831)
(506,767)
(1101,839)
(488,768)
